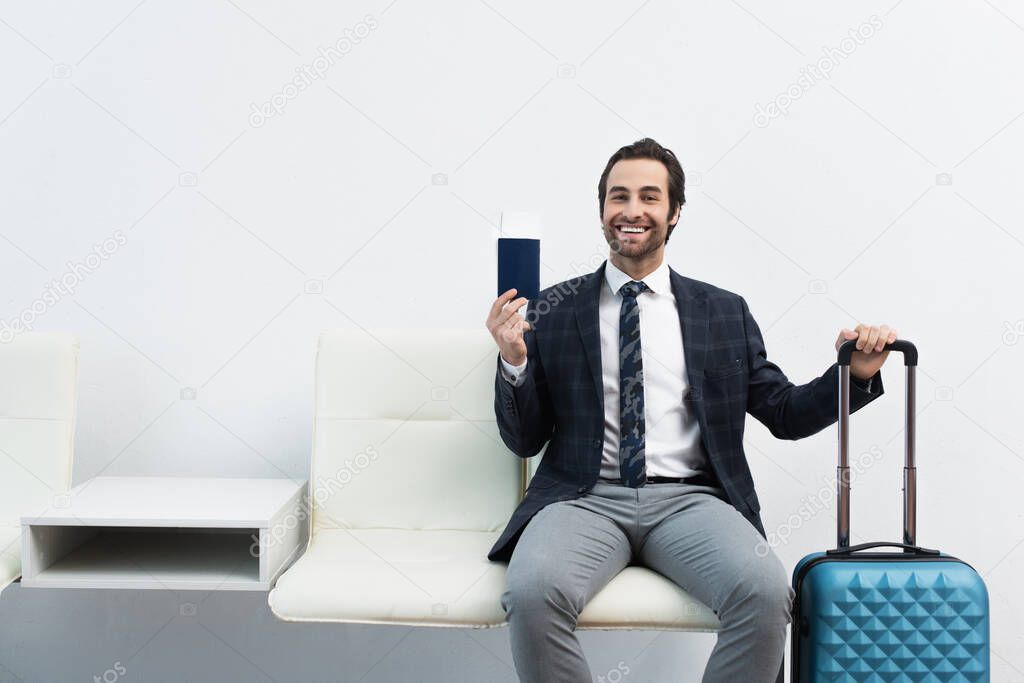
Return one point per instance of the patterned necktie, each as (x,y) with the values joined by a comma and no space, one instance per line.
(631,389)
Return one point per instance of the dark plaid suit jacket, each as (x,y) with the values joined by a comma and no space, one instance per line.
(561,401)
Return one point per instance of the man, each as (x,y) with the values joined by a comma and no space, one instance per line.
(640,379)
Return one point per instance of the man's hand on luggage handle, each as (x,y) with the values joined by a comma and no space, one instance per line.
(507,327)
(868,357)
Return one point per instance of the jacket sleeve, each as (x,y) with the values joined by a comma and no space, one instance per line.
(790,411)
(524,413)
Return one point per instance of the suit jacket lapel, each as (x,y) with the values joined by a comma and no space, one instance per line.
(586,305)
(695,323)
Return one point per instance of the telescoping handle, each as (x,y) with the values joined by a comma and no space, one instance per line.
(909,352)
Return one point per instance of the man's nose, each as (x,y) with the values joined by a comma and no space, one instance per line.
(634,211)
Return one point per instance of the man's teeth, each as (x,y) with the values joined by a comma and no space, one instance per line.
(629,228)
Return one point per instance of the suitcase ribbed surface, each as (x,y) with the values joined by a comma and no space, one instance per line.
(893,621)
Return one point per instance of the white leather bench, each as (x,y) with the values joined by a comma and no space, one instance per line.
(411,485)
(38,396)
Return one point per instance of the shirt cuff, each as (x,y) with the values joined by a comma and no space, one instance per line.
(513,374)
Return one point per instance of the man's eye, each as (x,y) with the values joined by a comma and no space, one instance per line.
(652,198)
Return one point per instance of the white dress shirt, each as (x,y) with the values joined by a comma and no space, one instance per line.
(672,439)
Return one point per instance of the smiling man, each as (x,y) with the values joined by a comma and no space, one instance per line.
(638,380)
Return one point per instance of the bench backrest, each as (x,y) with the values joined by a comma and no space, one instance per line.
(38,397)
(405,434)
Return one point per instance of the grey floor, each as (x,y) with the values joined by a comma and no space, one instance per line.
(121,636)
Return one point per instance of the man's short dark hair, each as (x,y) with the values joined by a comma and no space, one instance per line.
(649,149)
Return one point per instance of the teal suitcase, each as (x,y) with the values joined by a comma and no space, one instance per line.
(868,615)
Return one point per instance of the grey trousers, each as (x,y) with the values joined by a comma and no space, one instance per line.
(688,533)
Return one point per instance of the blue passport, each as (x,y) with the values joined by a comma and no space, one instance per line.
(519,266)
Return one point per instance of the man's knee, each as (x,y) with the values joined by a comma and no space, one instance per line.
(773,597)
(762,591)
(538,591)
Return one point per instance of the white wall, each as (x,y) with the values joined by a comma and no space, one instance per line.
(888,193)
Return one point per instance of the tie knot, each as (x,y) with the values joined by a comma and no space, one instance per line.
(632,289)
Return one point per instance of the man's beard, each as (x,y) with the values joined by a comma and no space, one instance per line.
(633,250)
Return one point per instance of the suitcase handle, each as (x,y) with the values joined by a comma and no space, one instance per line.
(845,353)
(849,550)
(908,350)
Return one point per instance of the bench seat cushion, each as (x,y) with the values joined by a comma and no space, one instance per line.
(394,576)
(10,554)
(641,599)
(443,578)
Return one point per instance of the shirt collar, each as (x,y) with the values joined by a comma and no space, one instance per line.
(657,281)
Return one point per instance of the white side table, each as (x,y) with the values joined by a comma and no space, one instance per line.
(166,533)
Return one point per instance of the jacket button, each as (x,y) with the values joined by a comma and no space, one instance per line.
(596,442)
(581,489)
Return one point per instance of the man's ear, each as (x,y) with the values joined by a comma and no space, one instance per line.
(675,220)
